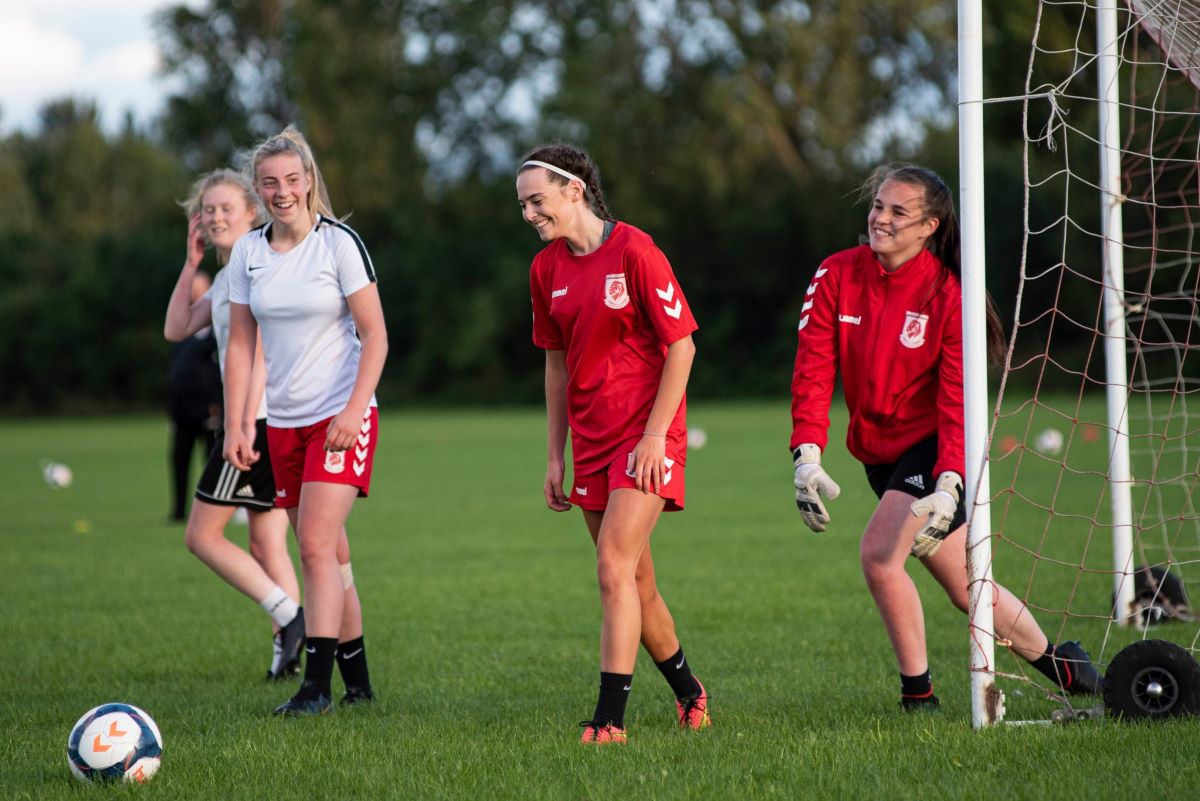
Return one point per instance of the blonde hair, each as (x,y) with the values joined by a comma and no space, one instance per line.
(195,199)
(290,140)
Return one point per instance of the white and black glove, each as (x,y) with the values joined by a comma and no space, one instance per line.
(811,483)
(940,505)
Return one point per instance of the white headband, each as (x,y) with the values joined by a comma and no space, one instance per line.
(558,170)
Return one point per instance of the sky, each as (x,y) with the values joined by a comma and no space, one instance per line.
(103,50)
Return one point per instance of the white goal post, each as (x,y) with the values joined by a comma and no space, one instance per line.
(987,703)
(1141,339)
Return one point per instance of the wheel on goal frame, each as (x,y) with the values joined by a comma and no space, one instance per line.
(1152,679)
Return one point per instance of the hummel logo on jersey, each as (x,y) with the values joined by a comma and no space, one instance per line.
(666,295)
(254,267)
(845,318)
(581,490)
(558,293)
(916,481)
(245,492)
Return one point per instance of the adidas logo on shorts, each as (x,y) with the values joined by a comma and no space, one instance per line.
(245,492)
(917,481)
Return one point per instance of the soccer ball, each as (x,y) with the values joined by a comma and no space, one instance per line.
(114,742)
(57,475)
(1049,442)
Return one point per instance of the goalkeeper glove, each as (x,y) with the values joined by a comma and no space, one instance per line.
(811,483)
(940,505)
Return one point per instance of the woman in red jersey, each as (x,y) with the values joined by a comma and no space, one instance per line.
(617,332)
(888,315)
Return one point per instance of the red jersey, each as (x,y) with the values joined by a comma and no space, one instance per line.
(897,339)
(614,312)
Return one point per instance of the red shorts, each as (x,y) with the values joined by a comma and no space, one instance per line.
(591,491)
(298,456)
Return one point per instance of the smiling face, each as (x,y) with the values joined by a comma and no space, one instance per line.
(897,225)
(225,216)
(550,207)
(283,185)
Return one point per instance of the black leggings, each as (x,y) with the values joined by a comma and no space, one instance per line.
(185,433)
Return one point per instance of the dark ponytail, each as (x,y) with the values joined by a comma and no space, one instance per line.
(575,161)
(946,241)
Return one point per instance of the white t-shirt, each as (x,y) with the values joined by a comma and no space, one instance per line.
(299,300)
(218,296)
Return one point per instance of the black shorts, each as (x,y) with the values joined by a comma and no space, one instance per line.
(913,475)
(225,485)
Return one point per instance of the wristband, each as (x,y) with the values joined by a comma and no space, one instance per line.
(652,434)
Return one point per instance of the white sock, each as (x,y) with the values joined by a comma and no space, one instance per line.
(280,607)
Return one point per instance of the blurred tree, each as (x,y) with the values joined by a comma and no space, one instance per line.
(231,57)
(733,131)
(86,265)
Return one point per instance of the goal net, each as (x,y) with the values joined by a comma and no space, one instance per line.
(1094,442)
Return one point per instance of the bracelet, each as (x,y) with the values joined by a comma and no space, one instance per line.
(652,434)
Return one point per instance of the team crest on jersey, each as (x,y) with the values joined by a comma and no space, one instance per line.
(335,461)
(616,293)
(913,333)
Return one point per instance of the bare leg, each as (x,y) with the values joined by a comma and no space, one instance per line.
(885,546)
(269,547)
(320,524)
(205,537)
(352,625)
(1012,620)
(620,542)
(658,627)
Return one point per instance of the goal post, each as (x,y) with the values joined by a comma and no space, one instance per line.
(1083,471)
(1113,238)
(987,705)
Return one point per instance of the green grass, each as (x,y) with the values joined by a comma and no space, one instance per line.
(482,626)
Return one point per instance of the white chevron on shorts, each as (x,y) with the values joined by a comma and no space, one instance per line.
(359,464)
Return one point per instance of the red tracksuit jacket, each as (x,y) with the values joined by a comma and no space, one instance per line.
(897,339)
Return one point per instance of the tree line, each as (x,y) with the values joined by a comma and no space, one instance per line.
(736,133)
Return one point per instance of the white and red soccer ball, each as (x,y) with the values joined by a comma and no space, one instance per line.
(56,475)
(114,742)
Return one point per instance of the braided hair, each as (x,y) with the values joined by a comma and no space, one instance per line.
(577,162)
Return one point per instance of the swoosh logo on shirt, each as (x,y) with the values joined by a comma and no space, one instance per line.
(253,268)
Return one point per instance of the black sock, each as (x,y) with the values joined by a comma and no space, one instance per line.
(916,687)
(1057,670)
(677,673)
(318,665)
(352,663)
(614,695)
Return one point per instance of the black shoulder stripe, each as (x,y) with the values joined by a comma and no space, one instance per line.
(362,249)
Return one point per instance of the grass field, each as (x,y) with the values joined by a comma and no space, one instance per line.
(482,627)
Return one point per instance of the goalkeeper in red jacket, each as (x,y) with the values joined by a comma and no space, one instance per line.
(887,315)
